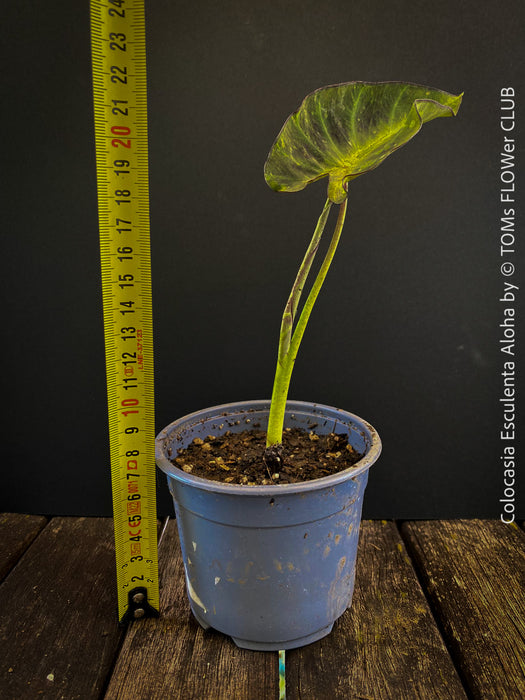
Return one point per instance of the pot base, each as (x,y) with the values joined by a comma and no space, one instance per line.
(271,646)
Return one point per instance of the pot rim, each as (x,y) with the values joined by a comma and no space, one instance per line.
(271,489)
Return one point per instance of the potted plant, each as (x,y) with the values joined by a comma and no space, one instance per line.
(269,557)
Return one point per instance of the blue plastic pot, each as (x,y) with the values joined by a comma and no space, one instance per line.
(271,566)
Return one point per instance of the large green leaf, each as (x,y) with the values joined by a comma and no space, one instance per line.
(346,130)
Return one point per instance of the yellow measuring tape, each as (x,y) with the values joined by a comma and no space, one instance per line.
(121,135)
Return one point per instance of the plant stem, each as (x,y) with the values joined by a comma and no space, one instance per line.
(293,300)
(289,347)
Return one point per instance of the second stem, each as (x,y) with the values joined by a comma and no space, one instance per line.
(285,363)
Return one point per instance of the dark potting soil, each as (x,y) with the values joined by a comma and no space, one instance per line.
(239,458)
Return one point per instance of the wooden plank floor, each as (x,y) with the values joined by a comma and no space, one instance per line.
(438,612)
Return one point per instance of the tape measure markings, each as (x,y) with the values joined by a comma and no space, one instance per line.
(120,105)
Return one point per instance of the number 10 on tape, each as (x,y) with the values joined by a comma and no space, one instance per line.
(121,138)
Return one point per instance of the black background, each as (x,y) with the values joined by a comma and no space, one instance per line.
(406,330)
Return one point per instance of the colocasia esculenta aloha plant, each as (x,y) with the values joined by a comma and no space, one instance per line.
(340,131)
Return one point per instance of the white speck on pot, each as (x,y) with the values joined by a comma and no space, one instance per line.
(193,594)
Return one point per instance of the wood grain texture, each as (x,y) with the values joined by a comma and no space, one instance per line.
(59,631)
(387,645)
(172,657)
(475,574)
(17,531)
(60,638)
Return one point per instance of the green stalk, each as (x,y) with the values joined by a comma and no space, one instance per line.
(289,346)
(293,300)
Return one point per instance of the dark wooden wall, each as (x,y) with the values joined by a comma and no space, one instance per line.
(406,332)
